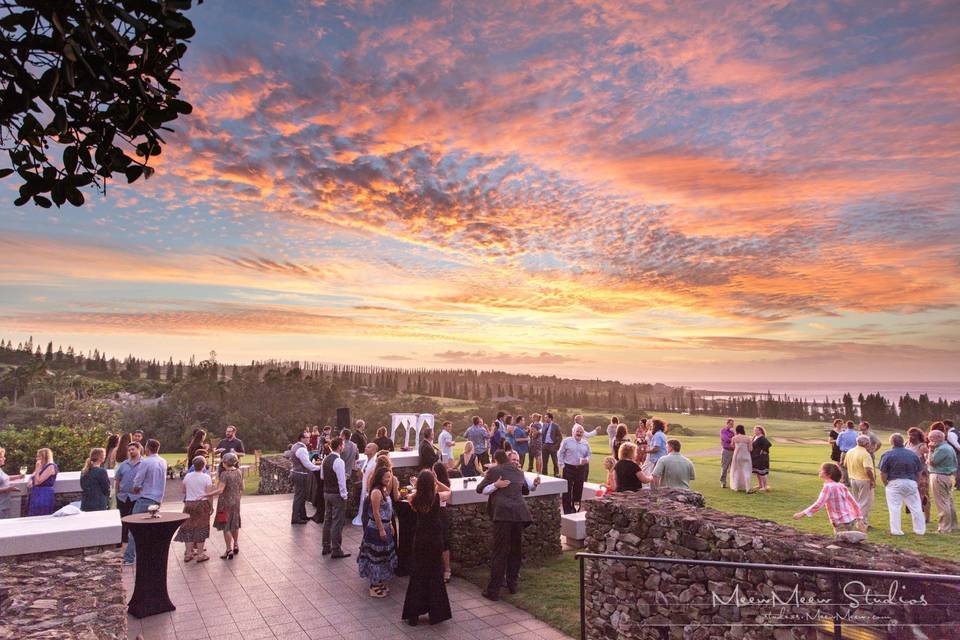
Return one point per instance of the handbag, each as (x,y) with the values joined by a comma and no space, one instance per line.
(220,518)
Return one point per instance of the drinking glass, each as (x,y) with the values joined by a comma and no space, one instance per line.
(23,470)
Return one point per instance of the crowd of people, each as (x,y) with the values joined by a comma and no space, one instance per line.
(139,482)
(744,456)
(917,469)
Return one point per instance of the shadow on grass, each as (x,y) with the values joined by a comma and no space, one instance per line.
(549,591)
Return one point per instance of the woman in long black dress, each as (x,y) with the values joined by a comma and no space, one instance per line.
(426,592)
(443,479)
(760,457)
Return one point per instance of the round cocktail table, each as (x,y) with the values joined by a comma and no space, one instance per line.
(152,536)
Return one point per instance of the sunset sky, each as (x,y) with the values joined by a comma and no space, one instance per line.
(660,192)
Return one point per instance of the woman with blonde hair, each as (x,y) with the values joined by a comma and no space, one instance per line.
(469,462)
(608,464)
(195,531)
(627,475)
(42,499)
(227,519)
(94,482)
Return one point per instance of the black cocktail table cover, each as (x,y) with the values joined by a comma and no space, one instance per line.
(152,536)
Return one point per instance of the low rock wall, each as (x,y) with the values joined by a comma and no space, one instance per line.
(471,531)
(646,600)
(274,475)
(60,500)
(275,479)
(70,595)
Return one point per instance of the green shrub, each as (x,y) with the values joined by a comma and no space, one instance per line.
(70,445)
(674,429)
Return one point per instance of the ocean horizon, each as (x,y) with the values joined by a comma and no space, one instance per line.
(834,390)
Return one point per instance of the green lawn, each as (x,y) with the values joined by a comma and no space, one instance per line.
(550,591)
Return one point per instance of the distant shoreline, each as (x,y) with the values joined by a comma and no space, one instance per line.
(817,391)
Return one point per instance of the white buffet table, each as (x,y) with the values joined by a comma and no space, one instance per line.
(39,534)
(463,492)
(397,458)
(67,482)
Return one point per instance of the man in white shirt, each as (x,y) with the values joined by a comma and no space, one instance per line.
(574,456)
(366,471)
(578,422)
(446,442)
(334,477)
(300,467)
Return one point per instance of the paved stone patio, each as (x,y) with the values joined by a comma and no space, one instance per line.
(279,586)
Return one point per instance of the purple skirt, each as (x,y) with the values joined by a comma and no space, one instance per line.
(42,501)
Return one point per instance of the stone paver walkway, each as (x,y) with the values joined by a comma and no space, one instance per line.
(279,586)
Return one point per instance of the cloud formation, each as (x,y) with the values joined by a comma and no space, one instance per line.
(515,180)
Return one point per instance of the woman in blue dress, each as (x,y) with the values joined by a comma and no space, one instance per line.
(377,559)
(41,483)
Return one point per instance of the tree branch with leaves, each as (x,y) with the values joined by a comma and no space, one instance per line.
(86,89)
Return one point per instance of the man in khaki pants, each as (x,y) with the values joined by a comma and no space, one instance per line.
(859,465)
(942,462)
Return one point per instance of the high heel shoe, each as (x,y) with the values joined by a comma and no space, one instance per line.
(227,556)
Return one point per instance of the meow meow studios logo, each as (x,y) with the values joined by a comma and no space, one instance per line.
(857,600)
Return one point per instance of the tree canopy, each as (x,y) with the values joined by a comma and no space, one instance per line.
(86,88)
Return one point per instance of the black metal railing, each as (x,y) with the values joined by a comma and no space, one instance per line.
(834,573)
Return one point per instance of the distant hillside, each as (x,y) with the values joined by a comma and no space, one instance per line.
(36,376)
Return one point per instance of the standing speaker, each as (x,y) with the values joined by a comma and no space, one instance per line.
(343,418)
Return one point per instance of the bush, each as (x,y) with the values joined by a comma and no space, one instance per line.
(70,445)
(674,429)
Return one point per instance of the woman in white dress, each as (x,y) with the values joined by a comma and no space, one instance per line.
(741,469)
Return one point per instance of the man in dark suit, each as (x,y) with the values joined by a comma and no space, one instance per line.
(349,453)
(428,453)
(510,515)
(551,444)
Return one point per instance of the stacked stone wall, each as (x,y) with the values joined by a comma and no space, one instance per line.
(275,479)
(59,500)
(274,475)
(471,531)
(646,600)
(73,594)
